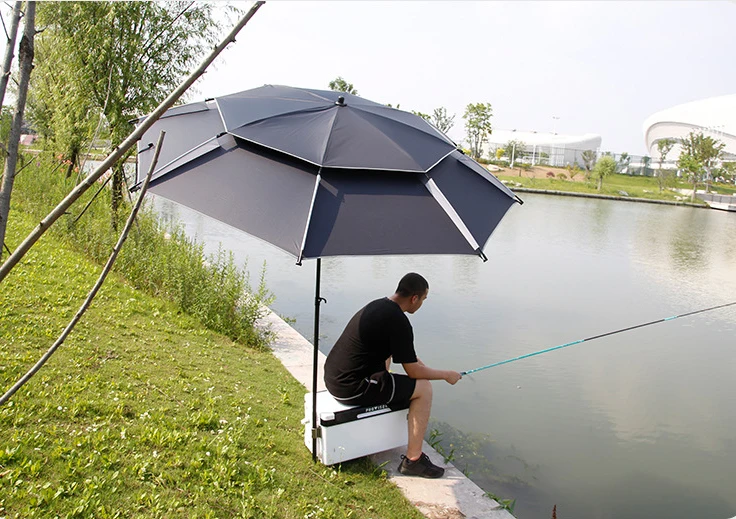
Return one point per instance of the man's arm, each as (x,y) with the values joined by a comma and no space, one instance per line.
(418,370)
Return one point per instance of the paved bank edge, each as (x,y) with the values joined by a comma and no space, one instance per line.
(453,496)
(604,197)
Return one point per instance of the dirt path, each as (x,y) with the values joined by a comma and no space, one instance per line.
(536,172)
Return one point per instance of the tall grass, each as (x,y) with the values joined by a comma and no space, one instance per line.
(157,257)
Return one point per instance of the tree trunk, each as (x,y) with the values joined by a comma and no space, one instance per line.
(117,191)
(25,53)
(72,161)
(600,183)
(124,146)
(707,180)
(9,48)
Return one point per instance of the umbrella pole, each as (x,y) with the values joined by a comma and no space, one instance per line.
(317,301)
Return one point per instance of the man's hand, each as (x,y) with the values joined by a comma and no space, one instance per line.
(452,377)
(418,371)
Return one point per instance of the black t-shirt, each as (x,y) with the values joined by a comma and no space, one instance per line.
(378,331)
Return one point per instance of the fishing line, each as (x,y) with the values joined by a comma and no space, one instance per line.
(463,373)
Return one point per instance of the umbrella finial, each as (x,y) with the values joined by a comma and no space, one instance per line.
(340,101)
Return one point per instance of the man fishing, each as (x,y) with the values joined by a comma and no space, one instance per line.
(356,370)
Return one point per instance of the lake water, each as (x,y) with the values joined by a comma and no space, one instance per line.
(640,424)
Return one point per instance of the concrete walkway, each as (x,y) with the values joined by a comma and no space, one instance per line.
(453,496)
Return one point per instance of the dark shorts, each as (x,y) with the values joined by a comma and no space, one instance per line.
(382,388)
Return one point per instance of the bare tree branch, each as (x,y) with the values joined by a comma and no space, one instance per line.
(103,275)
(124,146)
(2,19)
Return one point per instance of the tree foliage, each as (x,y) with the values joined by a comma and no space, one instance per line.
(605,167)
(728,171)
(514,149)
(646,162)
(340,85)
(664,146)
(114,59)
(64,117)
(573,170)
(698,157)
(6,119)
(477,126)
(693,170)
(588,157)
(441,120)
(623,163)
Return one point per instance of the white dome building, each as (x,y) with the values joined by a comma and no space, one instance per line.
(714,117)
(553,149)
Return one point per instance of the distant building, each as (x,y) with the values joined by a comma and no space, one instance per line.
(714,117)
(551,149)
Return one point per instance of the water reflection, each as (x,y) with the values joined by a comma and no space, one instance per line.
(655,406)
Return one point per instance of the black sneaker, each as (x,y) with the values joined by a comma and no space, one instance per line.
(422,467)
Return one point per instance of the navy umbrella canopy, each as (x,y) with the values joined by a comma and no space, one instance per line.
(321,173)
(315,182)
(333,129)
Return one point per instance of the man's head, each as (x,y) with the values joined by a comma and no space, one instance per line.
(413,289)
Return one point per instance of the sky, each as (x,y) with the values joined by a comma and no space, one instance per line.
(599,67)
(572,67)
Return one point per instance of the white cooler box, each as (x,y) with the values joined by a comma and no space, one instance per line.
(349,432)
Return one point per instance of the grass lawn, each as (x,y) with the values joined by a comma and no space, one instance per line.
(145,413)
(634,186)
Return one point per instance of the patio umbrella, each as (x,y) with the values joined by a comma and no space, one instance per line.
(321,173)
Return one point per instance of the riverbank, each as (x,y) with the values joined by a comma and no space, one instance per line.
(607,197)
(453,496)
(144,412)
(557,181)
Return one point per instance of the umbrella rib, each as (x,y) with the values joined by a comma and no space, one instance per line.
(179,157)
(309,217)
(274,148)
(446,206)
(483,172)
(436,134)
(316,108)
(441,159)
(329,136)
(219,111)
(313,108)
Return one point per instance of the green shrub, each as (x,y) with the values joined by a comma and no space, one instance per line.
(157,258)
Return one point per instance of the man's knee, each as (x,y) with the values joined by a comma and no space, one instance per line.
(423,389)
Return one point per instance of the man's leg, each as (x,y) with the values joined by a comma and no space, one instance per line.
(419,409)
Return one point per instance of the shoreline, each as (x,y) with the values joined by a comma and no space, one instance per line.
(605,197)
(453,496)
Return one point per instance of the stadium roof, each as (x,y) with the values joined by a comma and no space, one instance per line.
(714,116)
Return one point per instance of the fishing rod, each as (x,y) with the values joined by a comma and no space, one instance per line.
(463,373)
